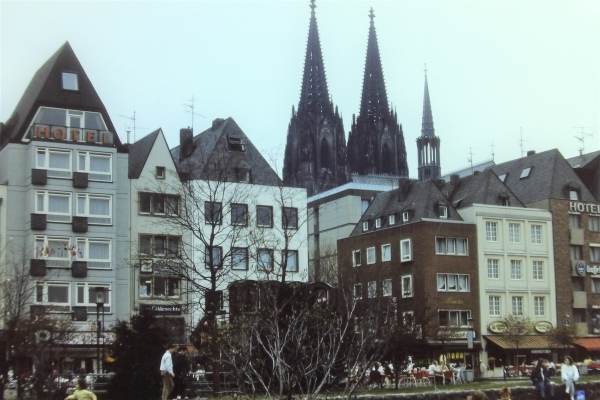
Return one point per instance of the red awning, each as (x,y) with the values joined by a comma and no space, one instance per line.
(591,344)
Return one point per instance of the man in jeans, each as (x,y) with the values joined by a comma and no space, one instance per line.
(166,371)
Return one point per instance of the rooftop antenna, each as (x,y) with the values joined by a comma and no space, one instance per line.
(521,141)
(134,126)
(493,151)
(190,109)
(581,137)
(470,159)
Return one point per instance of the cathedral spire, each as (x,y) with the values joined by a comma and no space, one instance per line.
(314,96)
(427,124)
(374,104)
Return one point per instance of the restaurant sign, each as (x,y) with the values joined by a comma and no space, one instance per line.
(543,327)
(162,309)
(498,327)
(540,351)
(581,269)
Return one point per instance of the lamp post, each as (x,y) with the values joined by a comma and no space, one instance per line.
(99,304)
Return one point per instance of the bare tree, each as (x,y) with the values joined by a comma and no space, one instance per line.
(517,327)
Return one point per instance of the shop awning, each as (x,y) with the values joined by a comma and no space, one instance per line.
(526,342)
(590,344)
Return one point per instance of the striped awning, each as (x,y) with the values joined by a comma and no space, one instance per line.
(526,342)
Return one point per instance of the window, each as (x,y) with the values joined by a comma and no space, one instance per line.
(365,226)
(450,246)
(525,173)
(574,221)
(443,212)
(407,286)
(264,216)
(292,261)
(405,216)
(594,253)
(576,252)
(356,258)
(371,257)
(236,143)
(160,173)
(386,252)
(158,204)
(159,245)
(408,318)
(213,214)
(70,81)
(538,270)
(516,272)
(239,258)
(405,250)
(377,223)
(387,287)
(239,214)
(492,268)
(74,119)
(86,296)
(265,260)
(290,218)
(56,205)
(391,219)
(491,231)
(97,252)
(517,305)
(494,305)
(372,289)
(98,166)
(452,283)
(155,286)
(454,318)
(574,194)
(358,291)
(536,234)
(97,208)
(365,205)
(56,162)
(440,246)
(461,247)
(502,177)
(539,306)
(596,285)
(514,233)
(213,257)
(56,250)
(56,295)
(594,223)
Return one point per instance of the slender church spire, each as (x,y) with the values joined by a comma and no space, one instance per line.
(376,142)
(428,144)
(315,154)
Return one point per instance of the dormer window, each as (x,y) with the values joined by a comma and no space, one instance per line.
(405,216)
(70,81)
(502,177)
(525,173)
(574,194)
(160,172)
(243,175)
(504,200)
(391,219)
(443,211)
(378,223)
(236,143)
(365,226)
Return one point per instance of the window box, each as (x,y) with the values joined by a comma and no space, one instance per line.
(38,222)
(80,224)
(37,267)
(79,269)
(39,176)
(79,313)
(80,180)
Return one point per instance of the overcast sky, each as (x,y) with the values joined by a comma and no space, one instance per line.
(494,67)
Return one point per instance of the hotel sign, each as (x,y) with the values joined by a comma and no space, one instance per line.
(66,134)
(575,206)
(581,269)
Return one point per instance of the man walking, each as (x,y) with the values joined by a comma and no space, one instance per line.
(166,371)
(180,368)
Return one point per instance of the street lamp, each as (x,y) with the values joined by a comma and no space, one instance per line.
(100,299)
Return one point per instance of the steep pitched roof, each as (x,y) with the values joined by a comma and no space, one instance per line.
(211,158)
(583,160)
(587,167)
(550,177)
(45,89)
(427,129)
(480,188)
(139,152)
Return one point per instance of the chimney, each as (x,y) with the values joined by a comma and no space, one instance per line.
(185,142)
(476,172)
(530,153)
(217,123)
(454,179)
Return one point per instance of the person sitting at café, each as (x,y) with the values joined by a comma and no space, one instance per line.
(435,371)
(540,377)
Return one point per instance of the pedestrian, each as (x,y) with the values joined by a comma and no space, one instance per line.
(81,392)
(180,368)
(569,375)
(540,377)
(166,371)
(504,393)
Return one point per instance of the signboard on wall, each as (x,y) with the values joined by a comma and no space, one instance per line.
(162,309)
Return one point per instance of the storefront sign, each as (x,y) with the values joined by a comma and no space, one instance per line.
(62,133)
(452,300)
(593,269)
(541,351)
(543,327)
(160,309)
(498,327)
(575,206)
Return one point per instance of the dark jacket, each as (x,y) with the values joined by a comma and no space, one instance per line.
(180,364)
(540,375)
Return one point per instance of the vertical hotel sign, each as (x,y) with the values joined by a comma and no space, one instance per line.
(65,134)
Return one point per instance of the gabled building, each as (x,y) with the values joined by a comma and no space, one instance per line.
(65,173)
(587,167)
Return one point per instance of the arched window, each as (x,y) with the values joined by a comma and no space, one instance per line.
(325,154)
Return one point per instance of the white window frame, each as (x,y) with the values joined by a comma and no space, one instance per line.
(539,306)
(64,173)
(516,270)
(594,223)
(43,251)
(407,286)
(354,263)
(517,305)
(466,246)
(160,172)
(405,250)
(59,307)
(391,219)
(445,277)
(365,226)
(514,232)
(154,200)
(44,207)
(594,252)
(235,258)
(67,78)
(386,252)
(494,306)
(85,254)
(291,253)
(408,318)
(386,288)
(94,219)
(537,267)
(405,216)
(443,211)
(371,255)
(153,295)
(357,291)
(491,231)
(100,176)
(536,234)
(91,303)
(574,195)
(372,289)
(377,223)
(493,268)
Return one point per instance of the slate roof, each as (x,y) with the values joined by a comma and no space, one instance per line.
(45,89)
(549,177)
(583,160)
(211,159)
(139,152)
(587,167)
(480,188)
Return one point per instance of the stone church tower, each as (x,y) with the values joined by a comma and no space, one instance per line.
(428,144)
(315,152)
(376,142)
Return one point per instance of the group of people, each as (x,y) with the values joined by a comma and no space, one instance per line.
(540,377)
(174,370)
